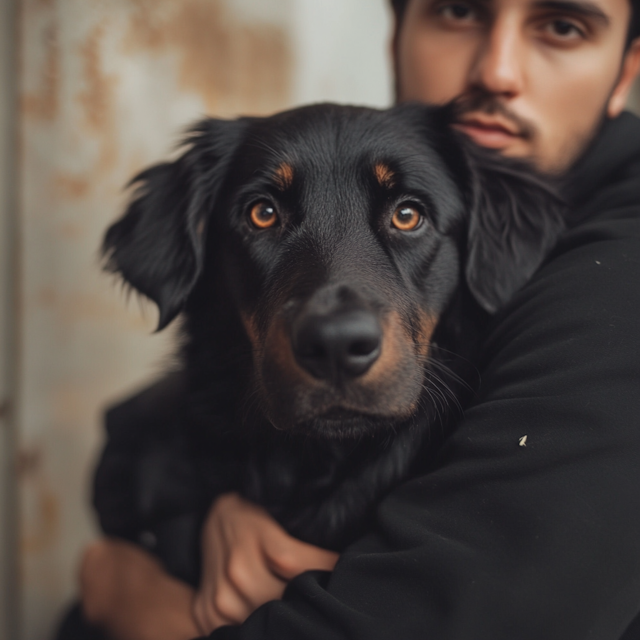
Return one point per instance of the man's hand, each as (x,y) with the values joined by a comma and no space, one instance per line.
(126,591)
(247,561)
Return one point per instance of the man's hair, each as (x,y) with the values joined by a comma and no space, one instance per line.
(634,27)
(399,7)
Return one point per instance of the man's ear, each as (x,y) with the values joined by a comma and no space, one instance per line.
(515,218)
(157,247)
(628,74)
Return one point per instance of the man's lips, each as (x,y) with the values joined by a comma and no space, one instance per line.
(491,132)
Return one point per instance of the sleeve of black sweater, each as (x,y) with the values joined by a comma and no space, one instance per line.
(508,539)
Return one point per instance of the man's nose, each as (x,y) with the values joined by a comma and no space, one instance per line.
(499,66)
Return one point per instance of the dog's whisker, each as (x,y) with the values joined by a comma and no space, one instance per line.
(444,391)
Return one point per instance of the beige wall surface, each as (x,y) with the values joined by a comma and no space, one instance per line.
(105,88)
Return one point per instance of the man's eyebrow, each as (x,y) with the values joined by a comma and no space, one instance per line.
(579,7)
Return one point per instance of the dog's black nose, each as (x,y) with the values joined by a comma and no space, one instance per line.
(338,344)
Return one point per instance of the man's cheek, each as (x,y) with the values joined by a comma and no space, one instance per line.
(435,69)
(566,119)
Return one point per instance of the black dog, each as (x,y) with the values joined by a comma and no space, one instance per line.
(334,266)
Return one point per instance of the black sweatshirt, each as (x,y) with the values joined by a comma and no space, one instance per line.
(510,538)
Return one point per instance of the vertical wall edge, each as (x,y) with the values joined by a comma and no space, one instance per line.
(9,574)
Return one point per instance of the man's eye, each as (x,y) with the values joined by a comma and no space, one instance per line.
(564,29)
(457,11)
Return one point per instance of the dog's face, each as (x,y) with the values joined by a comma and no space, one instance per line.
(337,236)
(332,223)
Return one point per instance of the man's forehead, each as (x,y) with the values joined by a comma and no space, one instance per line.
(598,10)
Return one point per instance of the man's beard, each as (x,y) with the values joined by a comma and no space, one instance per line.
(479,101)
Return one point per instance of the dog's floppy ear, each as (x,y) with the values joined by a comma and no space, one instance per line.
(157,246)
(515,218)
(514,214)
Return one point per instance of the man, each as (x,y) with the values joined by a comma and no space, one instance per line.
(508,537)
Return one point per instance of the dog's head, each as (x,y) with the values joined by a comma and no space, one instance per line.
(336,237)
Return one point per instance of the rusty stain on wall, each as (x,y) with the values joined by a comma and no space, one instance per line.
(41,530)
(98,97)
(71,231)
(69,404)
(70,187)
(41,523)
(44,103)
(28,461)
(231,65)
(94,307)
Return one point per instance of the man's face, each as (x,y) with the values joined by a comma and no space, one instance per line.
(532,78)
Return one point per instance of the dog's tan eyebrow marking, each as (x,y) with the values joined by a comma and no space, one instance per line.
(284,176)
(384,175)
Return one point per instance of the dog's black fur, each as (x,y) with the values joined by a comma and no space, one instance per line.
(322,349)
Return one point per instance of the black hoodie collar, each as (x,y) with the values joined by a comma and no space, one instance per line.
(608,173)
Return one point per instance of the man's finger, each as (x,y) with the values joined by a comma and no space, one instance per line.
(254,581)
(289,557)
(206,616)
(230,605)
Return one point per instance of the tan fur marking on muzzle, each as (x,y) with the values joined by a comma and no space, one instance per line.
(424,332)
(392,350)
(278,347)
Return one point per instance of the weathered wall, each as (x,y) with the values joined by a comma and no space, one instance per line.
(105,88)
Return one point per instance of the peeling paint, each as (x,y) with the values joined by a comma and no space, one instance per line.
(43,105)
(231,65)
(41,509)
(70,404)
(41,529)
(94,307)
(28,462)
(98,97)
(67,186)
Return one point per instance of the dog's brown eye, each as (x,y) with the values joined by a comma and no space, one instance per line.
(263,215)
(406,218)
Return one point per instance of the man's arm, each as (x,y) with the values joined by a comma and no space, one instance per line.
(126,591)
(509,538)
(248,560)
